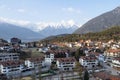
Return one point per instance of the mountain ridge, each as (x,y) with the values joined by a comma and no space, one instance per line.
(51,31)
(8,31)
(101,22)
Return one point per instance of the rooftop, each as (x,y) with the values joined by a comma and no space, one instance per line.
(70,59)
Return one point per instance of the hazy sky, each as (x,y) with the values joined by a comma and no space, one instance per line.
(34,11)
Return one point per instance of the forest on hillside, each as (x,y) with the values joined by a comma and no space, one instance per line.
(105,35)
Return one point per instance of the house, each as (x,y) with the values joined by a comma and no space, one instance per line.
(15,41)
(101,58)
(9,56)
(115,46)
(34,62)
(105,76)
(88,62)
(49,57)
(116,62)
(65,64)
(11,67)
(23,45)
(43,49)
(52,54)
(111,53)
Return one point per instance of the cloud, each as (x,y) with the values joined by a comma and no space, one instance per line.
(72,10)
(16,22)
(21,10)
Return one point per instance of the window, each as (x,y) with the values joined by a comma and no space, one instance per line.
(0,59)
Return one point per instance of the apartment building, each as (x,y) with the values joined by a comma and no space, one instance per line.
(88,62)
(66,64)
(116,62)
(34,62)
(11,67)
(9,56)
(51,55)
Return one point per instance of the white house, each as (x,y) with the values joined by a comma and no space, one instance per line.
(52,54)
(49,58)
(43,49)
(11,67)
(116,62)
(101,58)
(88,62)
(9,56)
(112,53)
(66,64)
(34,62)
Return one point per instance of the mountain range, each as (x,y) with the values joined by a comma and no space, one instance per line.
(102,22)
(97,24)
(61,29)
(8,31)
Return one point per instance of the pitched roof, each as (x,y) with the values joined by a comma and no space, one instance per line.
(11,63)
(105,76)
(36,59)
(70,59)
(88,58)
(113,50)
(117,58)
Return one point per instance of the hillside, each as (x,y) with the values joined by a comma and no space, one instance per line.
(99,23)
(105,35)
(8,31)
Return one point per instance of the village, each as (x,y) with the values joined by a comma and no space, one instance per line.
(60,61)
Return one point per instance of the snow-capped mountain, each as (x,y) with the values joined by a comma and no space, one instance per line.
(42,28)
(56,30)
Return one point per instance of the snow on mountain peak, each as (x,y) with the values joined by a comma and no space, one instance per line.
(65,24)
(38,26)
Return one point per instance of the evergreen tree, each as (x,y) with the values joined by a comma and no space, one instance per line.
(78,68)
(86,75)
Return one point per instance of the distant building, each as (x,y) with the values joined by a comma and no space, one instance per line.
(35,62)
(66,64)
(52,54)
(11,67)
(112,53)
(9,56)
(116,62)
(101,58)
(105,76)
(43,49)
(49,57)
(15,41)
(88,62)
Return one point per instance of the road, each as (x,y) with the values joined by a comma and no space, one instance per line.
(110,69)
(63,76)
(26,73)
